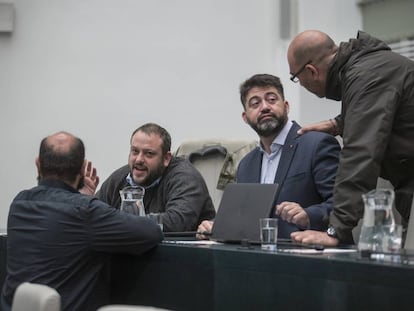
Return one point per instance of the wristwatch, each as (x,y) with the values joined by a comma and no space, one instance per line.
(332,232)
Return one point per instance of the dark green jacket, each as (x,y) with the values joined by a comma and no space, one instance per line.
(376,87)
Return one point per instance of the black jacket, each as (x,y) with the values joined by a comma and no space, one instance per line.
(181,194)
(61,238)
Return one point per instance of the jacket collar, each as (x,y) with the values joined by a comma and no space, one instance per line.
(56,183)
(288,152)
(347,53)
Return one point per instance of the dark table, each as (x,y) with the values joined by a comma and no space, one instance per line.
(230,277)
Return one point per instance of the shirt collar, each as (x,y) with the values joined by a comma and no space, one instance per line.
(132,183)
(56,183)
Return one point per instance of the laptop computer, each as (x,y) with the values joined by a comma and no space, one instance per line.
(241,207)
(409,239)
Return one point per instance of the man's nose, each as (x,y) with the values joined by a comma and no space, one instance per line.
(265,105)
(139,157)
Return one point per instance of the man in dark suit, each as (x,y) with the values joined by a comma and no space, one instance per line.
(303,166)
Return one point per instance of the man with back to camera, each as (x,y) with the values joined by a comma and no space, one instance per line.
(304,167)
(62,238)
(173,186)
(376,87)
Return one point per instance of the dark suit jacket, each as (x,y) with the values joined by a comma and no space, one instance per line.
(306,175)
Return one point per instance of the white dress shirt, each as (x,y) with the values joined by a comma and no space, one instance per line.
(270,162)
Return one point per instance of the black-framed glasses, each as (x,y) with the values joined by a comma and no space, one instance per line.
(294,78)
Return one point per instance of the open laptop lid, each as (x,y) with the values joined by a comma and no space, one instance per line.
(240,209)
(409,239)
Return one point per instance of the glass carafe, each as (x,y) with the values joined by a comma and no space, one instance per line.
(132,200)
(379,233)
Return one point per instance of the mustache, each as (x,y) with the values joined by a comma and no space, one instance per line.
(140,167)
(266,115)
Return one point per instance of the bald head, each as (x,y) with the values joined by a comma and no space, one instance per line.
(310,45)
(61,156)
(60,142)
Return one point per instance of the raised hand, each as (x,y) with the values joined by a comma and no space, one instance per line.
(91,180)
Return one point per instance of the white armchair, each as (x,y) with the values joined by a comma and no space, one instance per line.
(35,297)
(216,160)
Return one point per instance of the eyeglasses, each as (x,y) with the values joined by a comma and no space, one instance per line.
(294,78)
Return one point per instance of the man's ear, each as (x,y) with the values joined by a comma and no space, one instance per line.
(244,116)
(287,106)
(167,158)
(314,70)
(37,162)
(83,168)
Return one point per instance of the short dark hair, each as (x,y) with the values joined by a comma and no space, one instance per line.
(260,80)
(152,128)
(63,163)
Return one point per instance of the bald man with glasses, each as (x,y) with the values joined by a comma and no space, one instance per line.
(376,87)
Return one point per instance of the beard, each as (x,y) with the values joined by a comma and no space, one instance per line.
(269,127)
(152,176)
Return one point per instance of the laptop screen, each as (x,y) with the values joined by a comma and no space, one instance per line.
(409,239)
(240,209)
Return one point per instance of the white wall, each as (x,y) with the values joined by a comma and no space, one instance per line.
(341,20)
(101,68)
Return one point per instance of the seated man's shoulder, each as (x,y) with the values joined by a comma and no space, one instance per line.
(314,137)
(123,170)
(181,164)
(181,168)
(113,182)
(251,155)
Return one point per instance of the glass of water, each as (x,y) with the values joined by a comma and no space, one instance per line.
(268,233)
